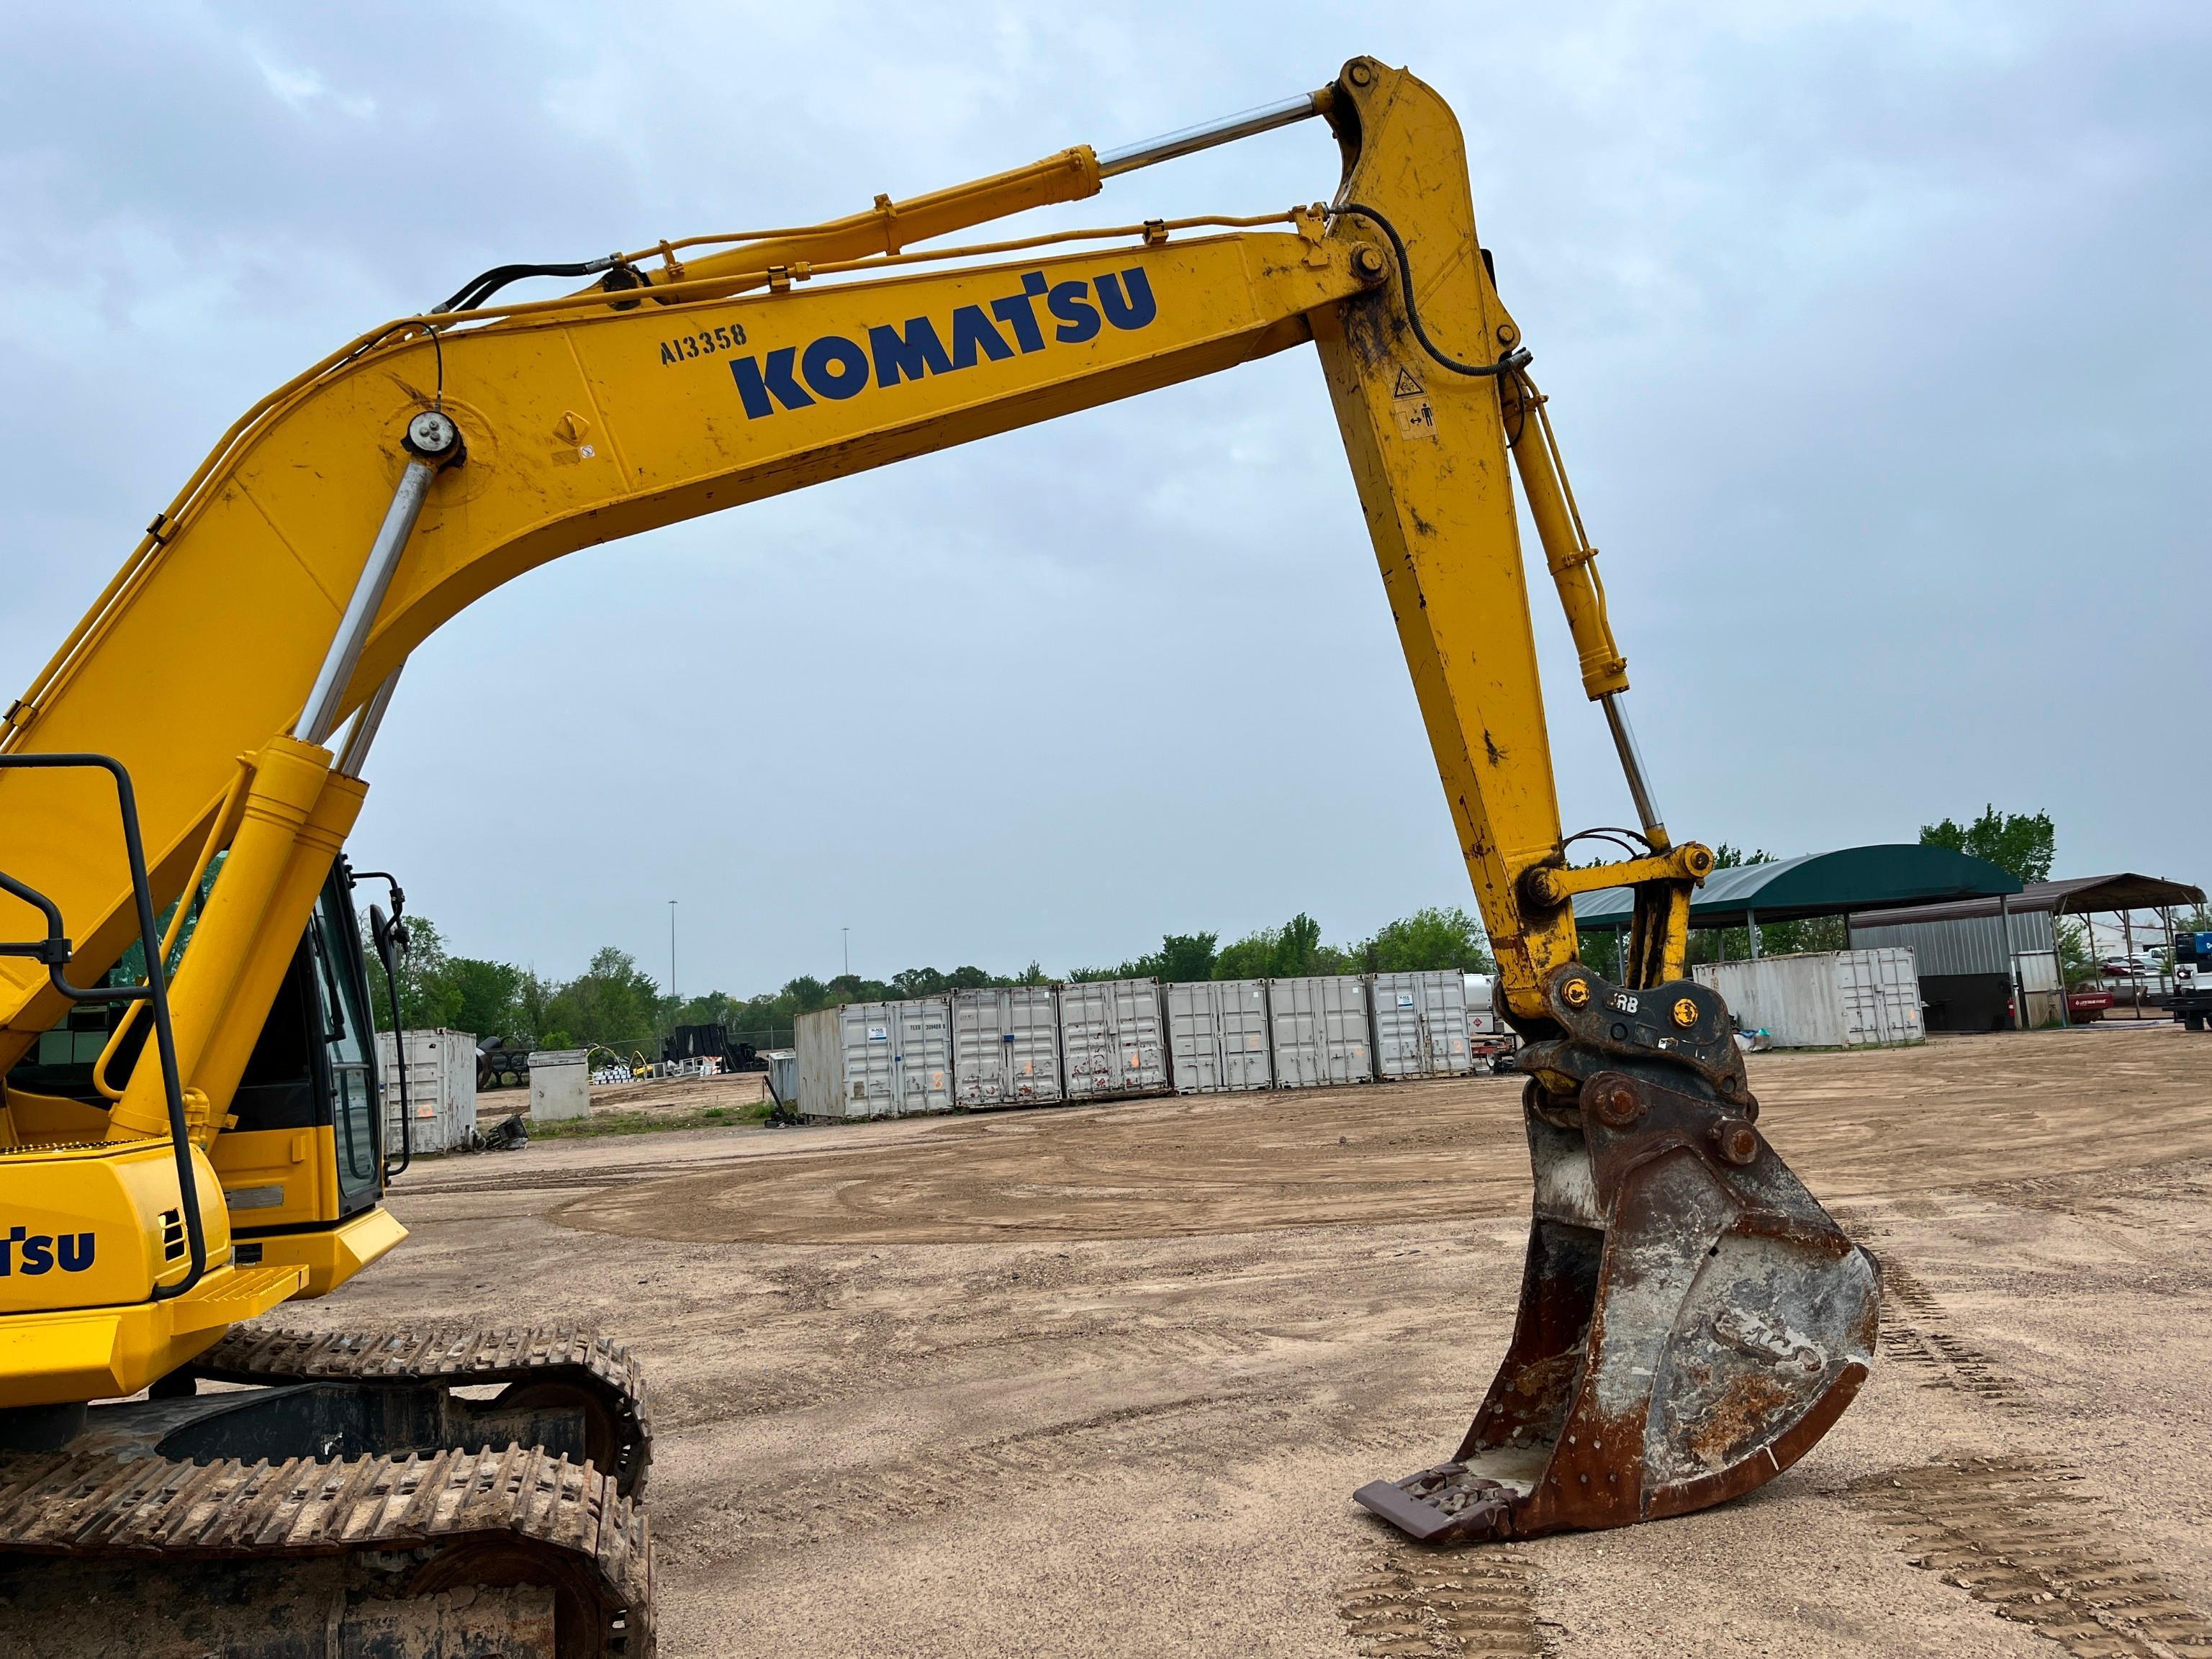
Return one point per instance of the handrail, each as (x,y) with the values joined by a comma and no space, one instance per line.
(54,950)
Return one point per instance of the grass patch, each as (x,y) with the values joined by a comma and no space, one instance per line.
(645,1123)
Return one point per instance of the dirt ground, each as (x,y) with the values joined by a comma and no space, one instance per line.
(1100,1381)
(675,1097)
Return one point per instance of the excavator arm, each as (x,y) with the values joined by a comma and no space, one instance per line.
(1690,1321)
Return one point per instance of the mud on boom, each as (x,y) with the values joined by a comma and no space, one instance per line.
(188,1139)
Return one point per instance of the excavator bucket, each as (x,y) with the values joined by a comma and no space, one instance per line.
(1690,1321)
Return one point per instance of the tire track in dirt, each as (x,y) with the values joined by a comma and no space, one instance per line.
(1415,1603)
(1207,1435)
(1916,1332)
(2022,1538)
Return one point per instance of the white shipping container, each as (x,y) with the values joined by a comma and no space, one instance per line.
(1420,1024)
(1005,1047)
(1321,1031)
(1824,999)
(1217,1036)
(876,1059)
(442,1089)
(1113,1038)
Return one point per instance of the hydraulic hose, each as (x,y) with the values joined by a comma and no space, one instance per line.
(1517,357)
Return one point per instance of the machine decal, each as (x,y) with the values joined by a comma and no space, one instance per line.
(836,366)
(43,1252)
(723,336)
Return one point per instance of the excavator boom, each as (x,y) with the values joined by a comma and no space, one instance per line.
(1690,1321)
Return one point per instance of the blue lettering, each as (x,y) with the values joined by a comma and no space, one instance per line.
(76,1252)
(38,1255)
(917,353)
(836,367)
(754,388)
(1070,304)
(1137,309)
(1019,311)
(16,1236)
(972,330)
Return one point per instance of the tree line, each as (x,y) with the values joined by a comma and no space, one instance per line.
(614,1002)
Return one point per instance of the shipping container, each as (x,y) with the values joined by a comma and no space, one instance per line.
(1420,1024)
(1005,1047)
(1217,1036)
(442,1089)
(782,1076)
(1321,1031)
(1113,1038)
(876,1060)
(1824,999)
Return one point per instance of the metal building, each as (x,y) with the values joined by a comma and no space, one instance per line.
(1217,1038)
(1969,978)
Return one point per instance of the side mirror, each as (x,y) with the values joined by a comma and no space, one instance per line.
(390,942)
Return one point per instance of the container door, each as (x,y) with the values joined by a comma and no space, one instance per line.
(1347,1040)
(1443,1009)
(1032,1049)
(1141,1042)
(870,1062)
(1290,1029)
(1243,1028)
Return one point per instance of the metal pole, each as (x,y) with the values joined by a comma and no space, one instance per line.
(671,949)
(1639,781)
(432,442)
(847,933)
(1751,923)
(354,754)
(2128,933)
(1207,134)
(2012,969)
(2059,974)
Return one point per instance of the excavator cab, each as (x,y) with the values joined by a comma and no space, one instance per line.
(303,1165)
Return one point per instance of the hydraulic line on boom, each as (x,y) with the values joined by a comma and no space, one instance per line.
(1691,1322)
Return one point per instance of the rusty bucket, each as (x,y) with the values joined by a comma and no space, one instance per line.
(1691,1322)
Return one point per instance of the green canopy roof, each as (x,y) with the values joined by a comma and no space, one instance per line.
(1818,884)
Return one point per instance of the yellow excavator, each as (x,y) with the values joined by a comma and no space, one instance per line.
(190,1134)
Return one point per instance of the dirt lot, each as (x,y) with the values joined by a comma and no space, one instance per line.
(1100,1381)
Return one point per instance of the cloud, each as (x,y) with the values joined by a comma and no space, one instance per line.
(1874,335)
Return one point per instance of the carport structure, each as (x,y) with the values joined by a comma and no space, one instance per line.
(1849,881)
(2087,898)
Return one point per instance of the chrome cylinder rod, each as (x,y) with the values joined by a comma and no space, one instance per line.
(355,756)
(1631,762)
(433,442)
(1207,135)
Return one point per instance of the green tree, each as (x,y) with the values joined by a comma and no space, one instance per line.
(2022,842)
(1428,939)
(613,1001)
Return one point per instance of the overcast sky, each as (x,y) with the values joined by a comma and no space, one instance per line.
(1875,334)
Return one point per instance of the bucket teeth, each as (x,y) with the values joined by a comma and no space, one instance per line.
(1691,1322)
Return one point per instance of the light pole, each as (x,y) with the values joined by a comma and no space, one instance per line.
(847,933)
(671,950)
